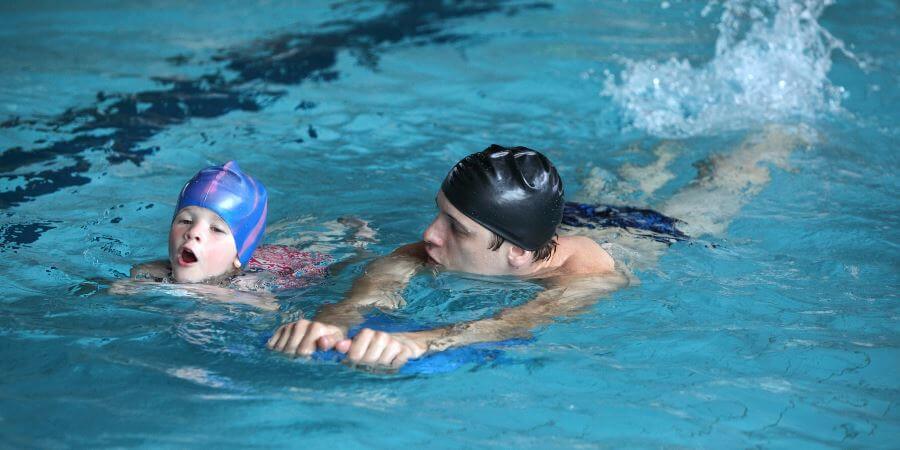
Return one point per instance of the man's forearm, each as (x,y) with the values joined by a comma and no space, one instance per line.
(517,322)
(509,324)
(381,286)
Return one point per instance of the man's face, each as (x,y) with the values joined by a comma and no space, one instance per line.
(200,245)
(458,243)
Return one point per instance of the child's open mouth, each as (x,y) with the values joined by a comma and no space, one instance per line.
(187,256)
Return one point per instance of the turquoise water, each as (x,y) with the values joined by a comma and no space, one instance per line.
(781,331)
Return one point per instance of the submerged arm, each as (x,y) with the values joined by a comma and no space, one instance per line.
(563,297)
(381,286)
(262,299)
(151,270)
(151,276)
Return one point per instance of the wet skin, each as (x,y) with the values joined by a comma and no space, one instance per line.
(576,275)
(201,246)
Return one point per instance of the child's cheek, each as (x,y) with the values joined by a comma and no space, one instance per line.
(221,255)
(173,238)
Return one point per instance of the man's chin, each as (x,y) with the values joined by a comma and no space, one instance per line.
(434,263)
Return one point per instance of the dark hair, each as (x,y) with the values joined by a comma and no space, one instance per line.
(543,252)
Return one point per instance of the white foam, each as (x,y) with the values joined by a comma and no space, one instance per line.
(771,64)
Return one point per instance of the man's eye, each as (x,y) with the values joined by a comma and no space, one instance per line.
(456,229)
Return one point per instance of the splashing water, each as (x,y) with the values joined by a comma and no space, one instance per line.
(771,64)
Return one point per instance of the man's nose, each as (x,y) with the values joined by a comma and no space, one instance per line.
(432,234)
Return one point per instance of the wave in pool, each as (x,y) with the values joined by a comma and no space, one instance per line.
(771,64)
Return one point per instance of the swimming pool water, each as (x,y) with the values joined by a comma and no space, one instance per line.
(781,332)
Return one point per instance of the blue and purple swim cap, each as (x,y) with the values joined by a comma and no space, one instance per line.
(236,197)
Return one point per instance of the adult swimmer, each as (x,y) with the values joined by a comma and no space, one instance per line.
(499,210)
(498,215)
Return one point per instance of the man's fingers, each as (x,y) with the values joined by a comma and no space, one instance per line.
(285,336)
(343,346)
(401,358)
(325,342)
(360,345)
(330,340)
(272,340)
(368,347)
(301,328)
(378,346)
(390,352)
(313,333)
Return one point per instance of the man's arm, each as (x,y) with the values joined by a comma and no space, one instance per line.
(563,297)
(380,286)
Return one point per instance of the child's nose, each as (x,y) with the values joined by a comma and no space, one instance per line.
(195,232)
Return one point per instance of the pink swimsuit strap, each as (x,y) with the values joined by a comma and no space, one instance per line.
(292,268)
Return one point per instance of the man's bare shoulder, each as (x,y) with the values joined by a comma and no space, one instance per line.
(583,256)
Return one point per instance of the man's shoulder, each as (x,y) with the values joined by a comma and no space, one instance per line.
(580,245)
(585,256)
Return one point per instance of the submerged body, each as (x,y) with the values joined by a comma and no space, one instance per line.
(577,271)
(485,238)
(219,220)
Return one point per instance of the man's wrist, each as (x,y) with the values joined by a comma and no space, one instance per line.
(423,341)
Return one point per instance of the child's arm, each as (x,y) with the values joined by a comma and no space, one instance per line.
(149,276)
(151,270)
(141,275)
(262,300)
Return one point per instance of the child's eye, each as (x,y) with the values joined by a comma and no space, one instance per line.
(184,221)
(217,229)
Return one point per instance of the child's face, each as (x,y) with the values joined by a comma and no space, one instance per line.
(200,246)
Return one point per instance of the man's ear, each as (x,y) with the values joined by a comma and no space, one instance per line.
(518,257)
(237,262)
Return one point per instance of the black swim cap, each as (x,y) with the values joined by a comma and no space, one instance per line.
(513,191)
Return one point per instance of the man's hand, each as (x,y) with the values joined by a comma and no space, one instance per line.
(379,349)
(303,337)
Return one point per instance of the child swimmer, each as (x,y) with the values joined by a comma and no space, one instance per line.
(219,222)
